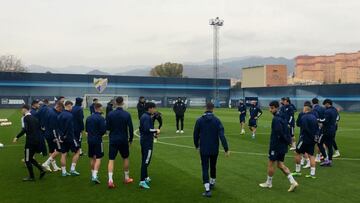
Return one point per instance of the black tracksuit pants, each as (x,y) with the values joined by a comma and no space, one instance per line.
(206,162)
(30,161)
(181,119)
(328,140)
(146,154)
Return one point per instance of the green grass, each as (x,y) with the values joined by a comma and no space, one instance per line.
(176,170)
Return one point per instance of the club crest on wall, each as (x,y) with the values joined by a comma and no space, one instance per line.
(100,84)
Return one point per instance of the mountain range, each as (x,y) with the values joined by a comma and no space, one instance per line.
(228,68)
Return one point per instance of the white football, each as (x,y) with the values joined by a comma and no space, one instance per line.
(1,145)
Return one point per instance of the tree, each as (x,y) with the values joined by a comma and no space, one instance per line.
(167,70)
(11,63)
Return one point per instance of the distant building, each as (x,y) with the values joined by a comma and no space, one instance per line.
(264,76)
(338,68)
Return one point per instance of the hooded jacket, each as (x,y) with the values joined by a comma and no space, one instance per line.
(279,131)
(207,132)
(330,119)
(78,114)
(179,108)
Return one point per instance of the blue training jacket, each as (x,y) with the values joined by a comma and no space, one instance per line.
(78,114)
(279,131)
(330,118)
(309,128)
(147,129)
(120,125)
(42,115)
(66,126)
(319,112)
(95,128)
(52,123)
(242,109)
(288,112)
(207,132)
(255,111)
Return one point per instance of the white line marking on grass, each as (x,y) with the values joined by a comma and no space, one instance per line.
(235,152)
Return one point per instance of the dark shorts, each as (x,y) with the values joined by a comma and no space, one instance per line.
(67,146)
(276,156)
(302,148)
(51,144)
(122,148)
(96,150)
(242,118)
(252,123)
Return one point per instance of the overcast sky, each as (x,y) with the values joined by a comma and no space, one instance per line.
(145,32)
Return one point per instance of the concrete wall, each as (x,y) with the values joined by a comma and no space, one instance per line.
(253,77)
(276,75)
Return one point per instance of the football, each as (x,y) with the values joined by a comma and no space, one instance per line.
(1,145)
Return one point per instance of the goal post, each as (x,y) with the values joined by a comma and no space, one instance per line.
(103,99)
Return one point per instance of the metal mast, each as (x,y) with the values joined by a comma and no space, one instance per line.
(216,24)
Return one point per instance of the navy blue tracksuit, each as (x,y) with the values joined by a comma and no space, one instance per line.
(329,131)
(288,112)
(179,108)
(66,132)
(92,109)
(95,128)
(52,130)
(34,112)
(337,123)
(254,111)
(309,132)
(278,144)
(119,123)
(147,133)
(242,111)
(31,128)
(319,110)
(207,132)
(78,115)
(140,108)
(41,115)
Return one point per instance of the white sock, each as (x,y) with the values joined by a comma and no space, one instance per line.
(126,175)
(207,186)
(94,173)
(212,181)
(111,177)
(269,180)
(53,163)
(291,179)
(63,169)
(312,171)
(73,165)
(297,168)
(48,161)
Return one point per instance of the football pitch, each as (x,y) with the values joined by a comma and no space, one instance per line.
(175,168)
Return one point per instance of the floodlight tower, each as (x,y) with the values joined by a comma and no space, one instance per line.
(216,23)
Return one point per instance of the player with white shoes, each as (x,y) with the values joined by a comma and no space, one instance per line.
(179,109)
(309,132)
(242,115)
(51,136)
(279,141)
